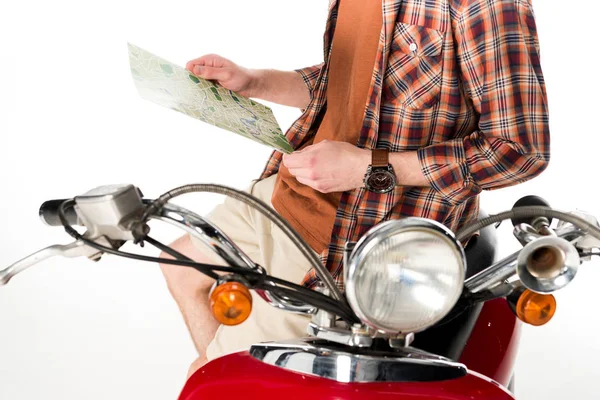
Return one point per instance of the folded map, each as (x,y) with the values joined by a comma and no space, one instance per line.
(174,87)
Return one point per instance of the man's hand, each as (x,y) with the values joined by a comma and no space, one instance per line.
(329,166)
(228,74)
(281,87)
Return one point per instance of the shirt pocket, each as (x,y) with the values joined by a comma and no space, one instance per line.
(414,73)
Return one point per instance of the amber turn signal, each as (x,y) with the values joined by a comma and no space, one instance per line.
(231,303)
(535,308)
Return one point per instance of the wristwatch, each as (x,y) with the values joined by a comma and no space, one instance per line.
(380,176)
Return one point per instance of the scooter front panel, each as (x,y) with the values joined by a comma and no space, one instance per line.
(242,376)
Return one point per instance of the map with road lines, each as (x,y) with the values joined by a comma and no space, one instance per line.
(169,85)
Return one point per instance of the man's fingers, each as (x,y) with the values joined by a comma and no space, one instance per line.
(301,158)
(209,60)
(306,181)
(319,186)
(212,73)
(304,173)
(295,160)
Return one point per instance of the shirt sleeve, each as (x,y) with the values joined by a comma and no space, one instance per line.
(498,56)
(310,75)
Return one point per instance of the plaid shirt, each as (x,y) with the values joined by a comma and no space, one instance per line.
(458,81)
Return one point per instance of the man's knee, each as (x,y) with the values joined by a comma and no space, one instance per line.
(196,365)
(181,278)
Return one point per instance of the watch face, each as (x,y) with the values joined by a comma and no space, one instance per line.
(381,181)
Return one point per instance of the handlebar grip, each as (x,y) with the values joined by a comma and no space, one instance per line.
(529,201)
(49,213)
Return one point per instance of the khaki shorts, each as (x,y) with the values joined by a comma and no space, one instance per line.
(268,246)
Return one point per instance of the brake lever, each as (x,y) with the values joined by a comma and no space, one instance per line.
(75,249)
(582,240)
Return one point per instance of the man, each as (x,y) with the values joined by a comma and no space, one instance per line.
(417,108)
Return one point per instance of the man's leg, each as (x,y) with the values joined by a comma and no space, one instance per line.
(253,233)
(190,290)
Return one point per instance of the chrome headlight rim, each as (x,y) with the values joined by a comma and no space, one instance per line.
(373,238)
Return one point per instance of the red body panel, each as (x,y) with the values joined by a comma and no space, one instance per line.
(492,347)
(491,351)
(242,376)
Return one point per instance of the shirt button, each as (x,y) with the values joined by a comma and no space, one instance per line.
(413,47)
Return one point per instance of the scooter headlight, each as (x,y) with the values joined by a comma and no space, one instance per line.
(404,276)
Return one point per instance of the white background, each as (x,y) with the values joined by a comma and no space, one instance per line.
(70,120)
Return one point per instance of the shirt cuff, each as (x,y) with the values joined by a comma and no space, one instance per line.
(310,75)
(445,167)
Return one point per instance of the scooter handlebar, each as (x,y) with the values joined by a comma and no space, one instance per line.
(49,213)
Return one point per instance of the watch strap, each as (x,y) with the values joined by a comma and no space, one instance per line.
(380,158)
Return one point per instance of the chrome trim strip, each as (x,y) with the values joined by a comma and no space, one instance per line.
(318,358)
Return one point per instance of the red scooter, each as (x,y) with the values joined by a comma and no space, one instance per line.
(421,315)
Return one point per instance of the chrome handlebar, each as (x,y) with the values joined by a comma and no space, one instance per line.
(547,262)
(208,233)
(104,223)
(110,214)
(225,248)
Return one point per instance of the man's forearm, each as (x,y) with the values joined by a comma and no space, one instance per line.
(408,169)
(281,87)
(339,166)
